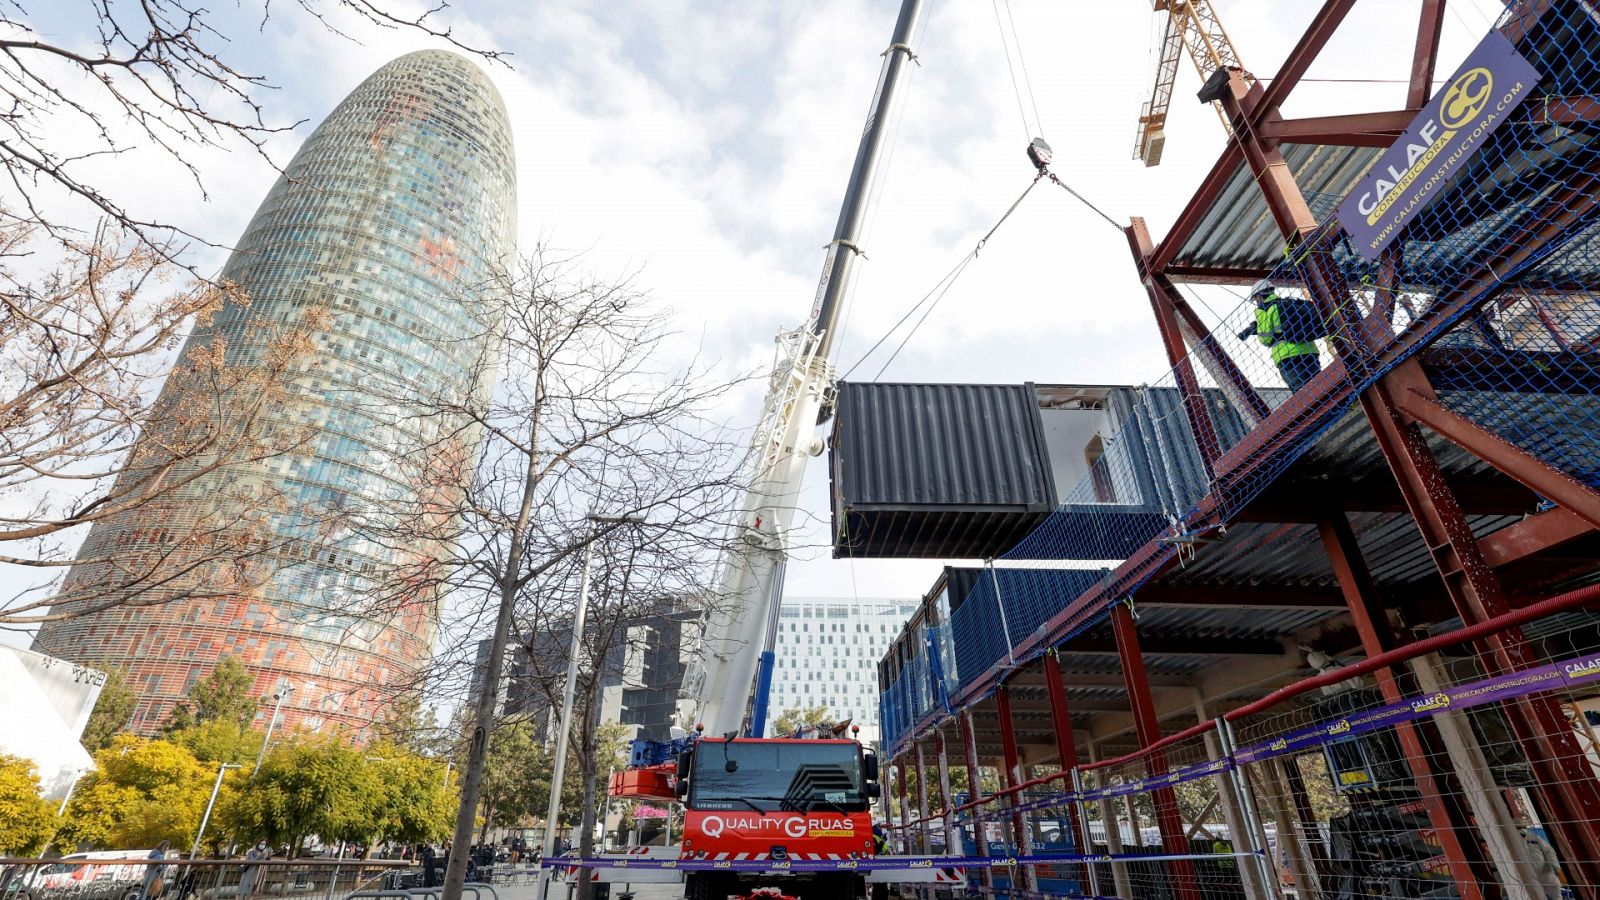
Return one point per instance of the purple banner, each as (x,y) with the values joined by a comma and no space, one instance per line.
(1455,124)
(1556,675)
(867,863)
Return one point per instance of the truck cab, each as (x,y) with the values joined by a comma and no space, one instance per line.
(778,799)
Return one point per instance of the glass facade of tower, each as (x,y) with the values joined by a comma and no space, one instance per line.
(396,213)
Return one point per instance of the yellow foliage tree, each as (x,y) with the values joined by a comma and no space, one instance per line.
(140,793)
(26,819)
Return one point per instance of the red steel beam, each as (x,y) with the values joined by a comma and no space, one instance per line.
(1199,205)
(1508,458)
(1066,743)
(974,792)
(1300,58)
(1243,597)
(1426,54)
(1377,129)
(1565,110)
(1533,535)
(1565,785)
(1177,352)
(1148,729)
(1450,821)
(1011,769)
(1242,103)
(1240,275)
(1164,295)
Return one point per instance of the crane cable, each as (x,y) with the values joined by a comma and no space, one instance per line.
(1081,198)
(938,291)
(942,287)
(1037,126)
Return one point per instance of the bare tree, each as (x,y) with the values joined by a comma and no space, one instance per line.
(639,580)
(90,320)
(85,437)
(587,418)
(159,75)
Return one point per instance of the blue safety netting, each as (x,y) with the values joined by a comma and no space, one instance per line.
(1494,287)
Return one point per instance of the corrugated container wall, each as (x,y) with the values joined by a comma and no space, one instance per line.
(958,471)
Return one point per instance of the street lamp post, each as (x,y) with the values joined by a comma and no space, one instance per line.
(206,819)
(553,811)
(278,695)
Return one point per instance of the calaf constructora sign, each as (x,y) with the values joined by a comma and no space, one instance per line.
(1455,124)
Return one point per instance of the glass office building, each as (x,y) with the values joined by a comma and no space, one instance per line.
(393,219)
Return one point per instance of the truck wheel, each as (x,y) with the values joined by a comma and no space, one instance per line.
(701,886)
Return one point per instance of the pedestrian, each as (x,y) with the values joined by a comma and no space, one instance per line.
(250,881)
(153,885)
(430,866)
(1289,327)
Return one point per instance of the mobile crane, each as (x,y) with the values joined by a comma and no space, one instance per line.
(748,796)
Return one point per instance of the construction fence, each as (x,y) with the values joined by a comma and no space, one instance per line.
(1411,774)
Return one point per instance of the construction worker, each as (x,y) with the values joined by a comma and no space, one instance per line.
(1297,360)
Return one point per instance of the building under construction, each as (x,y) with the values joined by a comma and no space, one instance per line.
(1233,639)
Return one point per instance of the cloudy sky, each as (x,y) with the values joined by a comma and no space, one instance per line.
(708,144)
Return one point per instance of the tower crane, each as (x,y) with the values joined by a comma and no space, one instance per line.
(1193,26)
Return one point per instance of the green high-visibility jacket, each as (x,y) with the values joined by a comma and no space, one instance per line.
(1268,321)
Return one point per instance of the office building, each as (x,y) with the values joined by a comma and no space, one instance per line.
(827,654)
(394,217)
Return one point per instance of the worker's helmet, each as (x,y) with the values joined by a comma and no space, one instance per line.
(1261,289)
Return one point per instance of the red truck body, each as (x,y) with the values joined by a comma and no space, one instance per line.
(778,798)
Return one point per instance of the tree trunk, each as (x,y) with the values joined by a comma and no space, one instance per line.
(488,820)
(587,764)
(455,874)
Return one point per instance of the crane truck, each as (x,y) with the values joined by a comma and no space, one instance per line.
(748,796)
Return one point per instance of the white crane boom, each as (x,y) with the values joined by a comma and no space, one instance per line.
(739,621)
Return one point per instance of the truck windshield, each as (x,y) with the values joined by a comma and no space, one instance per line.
(783,775)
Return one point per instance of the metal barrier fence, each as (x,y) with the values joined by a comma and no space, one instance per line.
(1411,774)
(104,876)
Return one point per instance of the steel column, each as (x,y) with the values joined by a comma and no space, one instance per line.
(1163,292)
(946,798)
(1566,784)
(1288,206)
(904,804)
(1066,744)
(1426,54)
(1194,407)
(1148,729)
(1420,744)
(975,793)
(1011,769)
(923,810)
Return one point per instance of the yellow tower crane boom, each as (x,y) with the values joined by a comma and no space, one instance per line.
(1191,25)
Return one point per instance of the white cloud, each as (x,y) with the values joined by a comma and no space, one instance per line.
(710,142)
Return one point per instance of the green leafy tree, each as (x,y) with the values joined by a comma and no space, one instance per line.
(310,786)
(416,805)
(26,819)
(111,711)
(140,793)
(797,717)
(516,776)
(226,694)
(220,741)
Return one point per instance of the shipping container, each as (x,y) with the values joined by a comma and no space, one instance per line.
(954,471)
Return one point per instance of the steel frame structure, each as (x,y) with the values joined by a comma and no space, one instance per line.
(1398,408)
